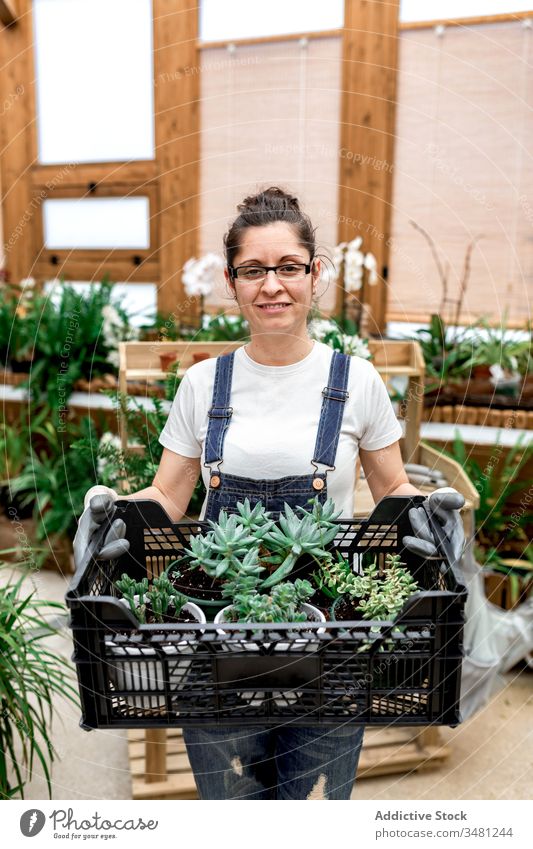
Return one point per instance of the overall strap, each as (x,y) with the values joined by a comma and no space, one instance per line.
(220,412)
(335,395)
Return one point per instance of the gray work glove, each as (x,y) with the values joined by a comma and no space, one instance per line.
(99,504)
(444,504)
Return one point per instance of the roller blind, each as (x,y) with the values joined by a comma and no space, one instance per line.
(270,115)
(463,168)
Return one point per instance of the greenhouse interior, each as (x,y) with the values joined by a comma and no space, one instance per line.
(158,159)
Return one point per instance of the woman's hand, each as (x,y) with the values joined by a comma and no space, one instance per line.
(444,505)
(99,506)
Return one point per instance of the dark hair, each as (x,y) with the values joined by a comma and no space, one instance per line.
(268,207)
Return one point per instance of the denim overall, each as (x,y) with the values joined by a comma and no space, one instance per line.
(284,762)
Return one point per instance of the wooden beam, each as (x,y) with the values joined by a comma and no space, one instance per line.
(17,144)
(270,39)
(8,14)
(474,20)
(95,175)
(177,145)
(368,105)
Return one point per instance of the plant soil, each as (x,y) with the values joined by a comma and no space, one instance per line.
(184,618)
(345,609)
(195,583)
(323,602)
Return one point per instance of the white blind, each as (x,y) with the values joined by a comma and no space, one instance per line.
(270,115)
(463,168)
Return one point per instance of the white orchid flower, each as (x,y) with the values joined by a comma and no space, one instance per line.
(371,266)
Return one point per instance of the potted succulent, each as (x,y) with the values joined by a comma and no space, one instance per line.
(162,603)
(156,605)
(286,602)
(371,595)
(249,544)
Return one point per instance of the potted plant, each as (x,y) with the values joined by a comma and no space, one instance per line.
(286,602)
(142,668)
(167,359)
(373,594)
(32,676)
(250,544)
(161,603)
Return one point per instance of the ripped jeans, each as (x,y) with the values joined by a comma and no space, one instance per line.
(276,763)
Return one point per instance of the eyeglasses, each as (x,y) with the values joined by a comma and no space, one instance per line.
(287,272)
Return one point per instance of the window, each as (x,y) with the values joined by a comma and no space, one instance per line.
(94,70)
(96,223)
(227,19)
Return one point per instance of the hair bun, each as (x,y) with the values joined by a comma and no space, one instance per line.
(271,198)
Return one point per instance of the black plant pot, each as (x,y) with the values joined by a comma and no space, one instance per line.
(12,507)
(20,366)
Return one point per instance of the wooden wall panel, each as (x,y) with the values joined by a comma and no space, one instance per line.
(17,145)
(177,144)
(369,70)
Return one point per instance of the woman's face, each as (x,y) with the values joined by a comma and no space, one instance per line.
(274,305)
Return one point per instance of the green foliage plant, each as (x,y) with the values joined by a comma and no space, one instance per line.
(55,477)
(496,482)
(32,674)
(134,467)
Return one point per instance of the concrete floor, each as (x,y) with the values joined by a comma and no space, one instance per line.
(491,755)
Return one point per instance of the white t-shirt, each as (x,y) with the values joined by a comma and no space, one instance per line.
(276,409)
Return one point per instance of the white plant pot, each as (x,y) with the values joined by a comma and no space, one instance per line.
(148,675)
(256,698)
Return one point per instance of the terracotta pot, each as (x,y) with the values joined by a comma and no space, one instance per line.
(198,357)
(481,371)
(167,360)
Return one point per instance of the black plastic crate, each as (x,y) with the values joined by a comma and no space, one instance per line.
(406,672)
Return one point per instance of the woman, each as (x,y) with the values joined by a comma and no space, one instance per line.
(280,420)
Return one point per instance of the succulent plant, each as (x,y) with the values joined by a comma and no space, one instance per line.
(378,597)
(293,537)
(337,578)
(221,549)
(283,604)
(162,596)
(324,515)
(257,520)
(135,593)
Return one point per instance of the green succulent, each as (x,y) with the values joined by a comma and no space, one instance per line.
(295,537)
(378,599)
(162,596)
(130,588)
(324,515)
(281,605)
(257,520)
(338,579)
(225,551)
